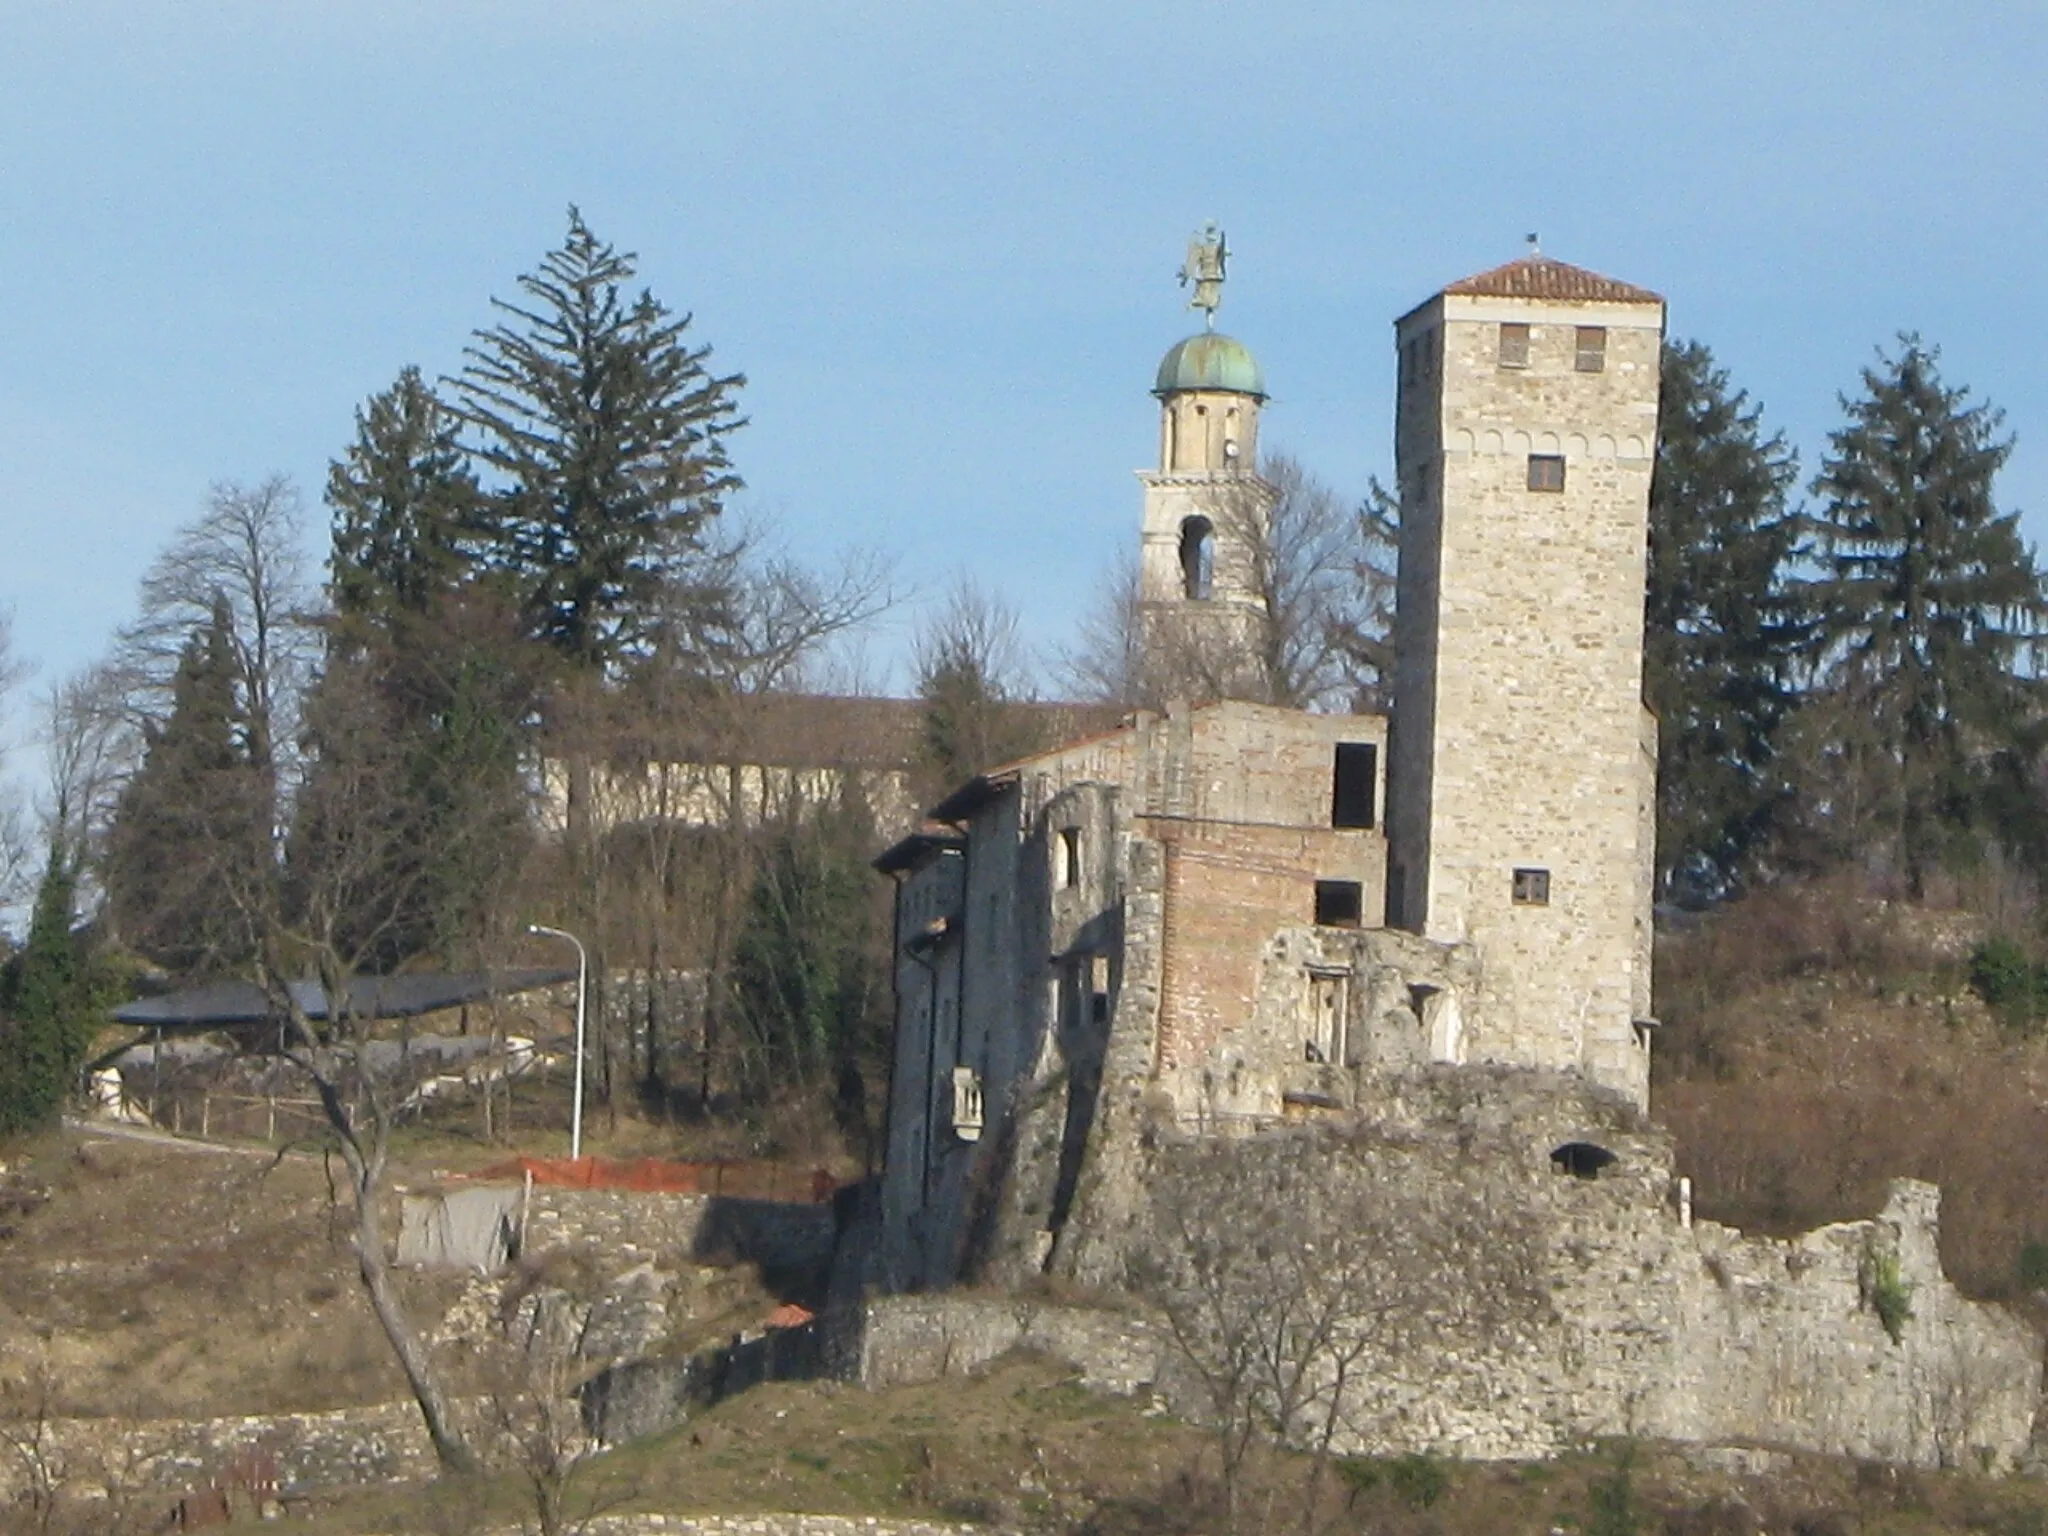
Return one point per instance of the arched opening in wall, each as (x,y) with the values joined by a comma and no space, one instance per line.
(1197,558)
(1582,1159)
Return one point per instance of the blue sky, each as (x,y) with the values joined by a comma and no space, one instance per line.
(940,238)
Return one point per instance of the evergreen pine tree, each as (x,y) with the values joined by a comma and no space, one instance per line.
(405,503)
(48,1020)
(604,430)
(1718,631)
(191,831)
(1926,606)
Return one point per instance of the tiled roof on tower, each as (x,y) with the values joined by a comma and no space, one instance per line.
(1540,277)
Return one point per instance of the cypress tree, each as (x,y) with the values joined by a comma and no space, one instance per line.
(1926,608)
(1719,632)
(191,830)
(604,432)
(48,1021)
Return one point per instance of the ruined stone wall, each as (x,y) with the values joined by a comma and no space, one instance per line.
(1512,1309)
(123,1457)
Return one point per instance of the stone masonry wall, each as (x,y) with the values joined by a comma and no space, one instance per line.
(1516,1310)
(629,1227)
(349,1446)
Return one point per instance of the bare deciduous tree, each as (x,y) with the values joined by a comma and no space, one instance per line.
(354,871)
(665,881)
(247,549)
(91,750)
(972,673)
(14,849)
(1288,1265)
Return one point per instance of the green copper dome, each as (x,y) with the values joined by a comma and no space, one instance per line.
(1210,360)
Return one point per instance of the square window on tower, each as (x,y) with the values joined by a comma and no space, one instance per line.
(1546,472)
(1514,345)
(1591,355)
(1532,888)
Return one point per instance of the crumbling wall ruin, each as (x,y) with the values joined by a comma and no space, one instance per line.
(1506,1273)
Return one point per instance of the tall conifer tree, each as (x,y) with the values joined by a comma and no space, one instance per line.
(47,1022)
(604,432)
(193,826)
(1719,631)
(1927,607)
(405,505)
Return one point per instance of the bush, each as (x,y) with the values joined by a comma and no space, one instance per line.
(2011,983)
(1891,1295)
(2031,1268)
(1612,1498)
(1418,1481)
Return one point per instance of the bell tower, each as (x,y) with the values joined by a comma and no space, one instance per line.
(1205,509)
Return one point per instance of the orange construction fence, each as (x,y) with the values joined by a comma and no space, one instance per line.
(653,1175)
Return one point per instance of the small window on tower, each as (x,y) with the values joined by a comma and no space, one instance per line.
(1591,356)
(1532,888)
(1514,345)
(1339,903)
(1067,858)
(1546,472)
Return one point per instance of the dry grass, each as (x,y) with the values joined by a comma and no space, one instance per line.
(159,1283)
(1818,1046)
(1025,1448)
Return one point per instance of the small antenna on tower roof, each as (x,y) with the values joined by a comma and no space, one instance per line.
(1535,248)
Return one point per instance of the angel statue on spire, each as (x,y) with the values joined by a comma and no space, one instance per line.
(1208,255)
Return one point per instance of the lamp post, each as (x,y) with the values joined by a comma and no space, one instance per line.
(582,990)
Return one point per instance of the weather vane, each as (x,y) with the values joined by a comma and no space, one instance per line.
(1208,255)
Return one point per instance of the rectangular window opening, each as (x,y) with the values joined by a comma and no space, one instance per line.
(1353,778)
(1591,356)
(1546,472)
(1532,888)
(1328,1003)
(1514,344)
(1339,903)
(1067,858)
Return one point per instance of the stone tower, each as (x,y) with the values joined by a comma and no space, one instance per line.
(1204,520)
(1522,768)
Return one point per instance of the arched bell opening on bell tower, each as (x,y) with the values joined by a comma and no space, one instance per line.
(1197,559)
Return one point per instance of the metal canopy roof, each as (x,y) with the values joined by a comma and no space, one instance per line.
(221,1004)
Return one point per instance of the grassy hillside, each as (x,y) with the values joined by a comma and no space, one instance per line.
(1818,1044)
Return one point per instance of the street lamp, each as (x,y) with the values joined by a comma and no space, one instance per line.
(582,989)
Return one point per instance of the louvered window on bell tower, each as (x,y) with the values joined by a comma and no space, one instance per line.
(1514,345)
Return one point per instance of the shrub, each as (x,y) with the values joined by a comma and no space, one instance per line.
(2010,982)
(1891,1295)
(1612,1499)
(2031,1268)
(1417,1480)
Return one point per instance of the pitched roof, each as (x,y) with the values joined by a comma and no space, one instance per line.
(817,730)
(222,1003)
(1540,277)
